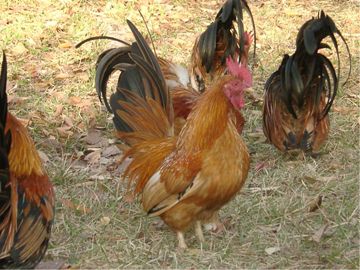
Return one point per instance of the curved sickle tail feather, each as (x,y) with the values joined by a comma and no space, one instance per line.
(134,61)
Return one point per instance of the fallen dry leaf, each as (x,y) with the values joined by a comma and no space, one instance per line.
(111,151)
(59,95)
(270,228)
(93,157)
(335,164)
(318,235)
(310,180)
(93,138)
(87,183)
(62,76)
(13,99)
(326,178)
(272,250)
(52,143)
(255,112)
(124,164)
(84,103)
(83,76)
(65,131)
(78,207)
(59,110)
(68,121)
(65,45)
(344,110)
(19,49)
(44,158)
(104,220)
(314,205)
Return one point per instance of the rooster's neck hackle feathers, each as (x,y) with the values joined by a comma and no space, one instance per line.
(22,148)
(207,119)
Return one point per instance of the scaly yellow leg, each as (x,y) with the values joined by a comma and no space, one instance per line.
(181,239)
(198,231)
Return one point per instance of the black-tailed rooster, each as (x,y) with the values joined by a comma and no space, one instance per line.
(300,93)
(26,196)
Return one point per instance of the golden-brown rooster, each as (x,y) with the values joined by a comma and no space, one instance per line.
(27,195)
(300,93)
(184,179)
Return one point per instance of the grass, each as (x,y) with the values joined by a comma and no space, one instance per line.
(271,211)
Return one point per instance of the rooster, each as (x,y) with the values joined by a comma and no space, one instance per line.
(184,179)
(301,92)
(220,40)
(211,48)
(27,195)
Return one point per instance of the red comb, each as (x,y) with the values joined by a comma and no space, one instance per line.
(240,72)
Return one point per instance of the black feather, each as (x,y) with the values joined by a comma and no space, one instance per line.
(5,139)
(248,11)
(100,37)
(332,90)
(307,66)
(297,83)
(146,52)
(223,29)
(106,66)
(208,46)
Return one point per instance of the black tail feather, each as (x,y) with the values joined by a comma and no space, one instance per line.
(5,138)
(106,66)
(144,78)
(306,64)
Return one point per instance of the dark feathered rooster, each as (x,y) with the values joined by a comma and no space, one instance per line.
(27,195)
(184,179)
(223,38)
(300,93)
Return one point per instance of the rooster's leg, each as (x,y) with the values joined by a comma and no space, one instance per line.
(181,240)
(198,232)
